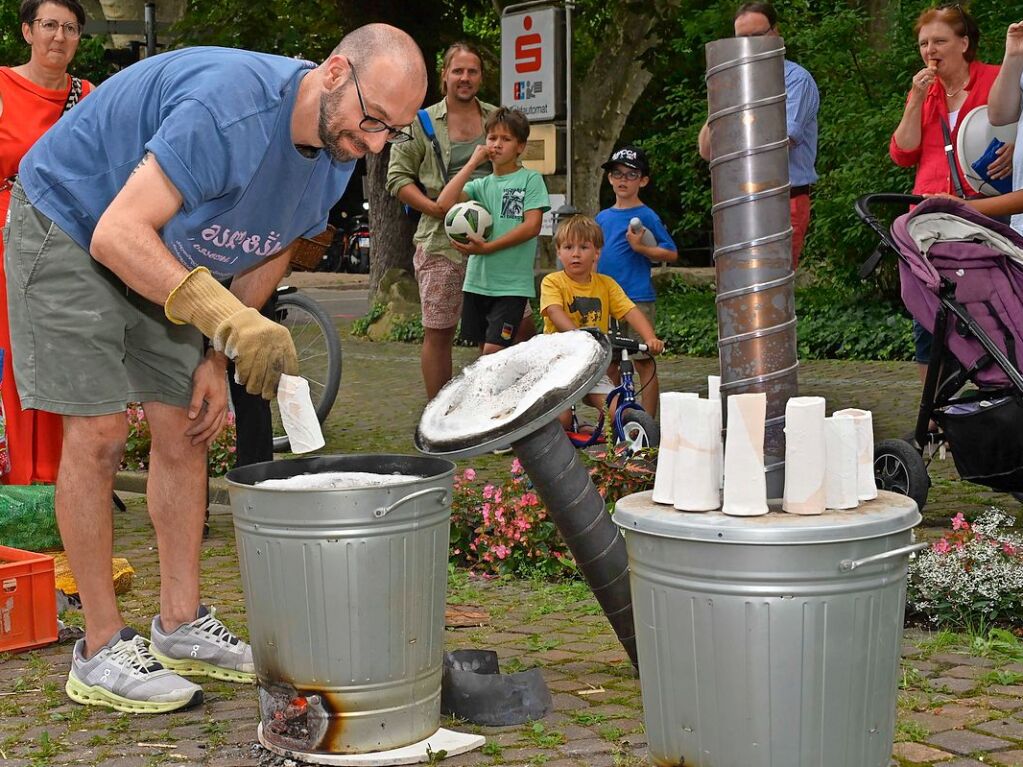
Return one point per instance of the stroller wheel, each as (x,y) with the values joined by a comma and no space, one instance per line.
(899,468)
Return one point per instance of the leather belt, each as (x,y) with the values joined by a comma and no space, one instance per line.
(796,191)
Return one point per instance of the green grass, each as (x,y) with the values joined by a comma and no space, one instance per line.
(908,731)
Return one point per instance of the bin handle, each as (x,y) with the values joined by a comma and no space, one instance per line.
(848,565)
(383,511)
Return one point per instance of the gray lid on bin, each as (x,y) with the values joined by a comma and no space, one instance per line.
(887,514)
(505,396)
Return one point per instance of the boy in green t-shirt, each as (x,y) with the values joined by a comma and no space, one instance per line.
(579,297)
(499,274)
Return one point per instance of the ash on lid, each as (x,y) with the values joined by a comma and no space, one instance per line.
(335,480)
(509,387)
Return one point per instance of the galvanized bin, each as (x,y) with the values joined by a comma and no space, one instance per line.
(345,592)
(769,641)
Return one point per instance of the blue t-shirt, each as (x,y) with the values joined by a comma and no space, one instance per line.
(617,258)
(218,121)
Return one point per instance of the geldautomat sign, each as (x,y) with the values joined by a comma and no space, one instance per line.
(533,62)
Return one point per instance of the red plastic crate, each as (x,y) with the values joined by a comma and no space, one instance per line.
(28,600)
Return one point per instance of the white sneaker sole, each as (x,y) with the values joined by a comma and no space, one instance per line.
(193,667)
(94,695)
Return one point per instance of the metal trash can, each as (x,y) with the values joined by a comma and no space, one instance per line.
(345,593)
(770,640)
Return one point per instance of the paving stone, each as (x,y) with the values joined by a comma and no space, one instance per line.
(1007,758)
(1014,690)
(966,672)
(999,702)
(1003,728)
(964,763)
(958,659)
(966,742)
(953,684)
(919,753)
(587,747)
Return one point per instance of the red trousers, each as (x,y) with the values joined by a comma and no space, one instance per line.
(799,209)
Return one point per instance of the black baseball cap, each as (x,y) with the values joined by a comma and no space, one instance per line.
(629,156)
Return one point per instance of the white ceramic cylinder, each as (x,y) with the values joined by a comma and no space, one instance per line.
(667,451)
(841,479)
(696,470)
(866,487)
(714,393)
(745,483)
(805,457)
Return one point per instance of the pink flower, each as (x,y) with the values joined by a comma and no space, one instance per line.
(942,547)
(1009,549)
(501,551)
(959,522)
(488,492)
(469,474)
(516,467)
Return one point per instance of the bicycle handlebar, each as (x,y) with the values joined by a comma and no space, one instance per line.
(618,342)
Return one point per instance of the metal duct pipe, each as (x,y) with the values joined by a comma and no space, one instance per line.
(575,506)
(546,454)
(752,230)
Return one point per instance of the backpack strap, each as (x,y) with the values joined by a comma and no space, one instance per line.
(953,166)
(431,135)
(74,94)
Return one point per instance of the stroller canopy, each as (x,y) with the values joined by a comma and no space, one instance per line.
(983,258)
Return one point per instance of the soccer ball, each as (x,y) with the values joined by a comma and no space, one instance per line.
(467,218)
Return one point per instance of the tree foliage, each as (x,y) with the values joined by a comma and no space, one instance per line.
(863,67)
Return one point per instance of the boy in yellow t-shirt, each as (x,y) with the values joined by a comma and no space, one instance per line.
(578,297)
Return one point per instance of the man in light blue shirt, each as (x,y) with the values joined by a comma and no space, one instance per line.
(191,165)
(802,100)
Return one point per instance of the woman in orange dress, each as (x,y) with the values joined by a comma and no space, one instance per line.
(33,96)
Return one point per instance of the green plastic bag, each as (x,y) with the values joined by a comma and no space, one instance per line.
(27,518)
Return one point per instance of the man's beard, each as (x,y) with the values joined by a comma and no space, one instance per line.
(330,139)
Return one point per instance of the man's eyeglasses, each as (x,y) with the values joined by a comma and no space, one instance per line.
(630,175)
(50,27)
(375,124)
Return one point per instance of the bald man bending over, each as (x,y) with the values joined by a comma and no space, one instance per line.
(186,168)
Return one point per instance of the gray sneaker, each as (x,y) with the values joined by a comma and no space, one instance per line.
(204,647)
(125,676)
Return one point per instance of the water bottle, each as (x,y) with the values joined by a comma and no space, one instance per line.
(636,226)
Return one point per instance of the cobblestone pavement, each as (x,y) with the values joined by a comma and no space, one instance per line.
(961,699)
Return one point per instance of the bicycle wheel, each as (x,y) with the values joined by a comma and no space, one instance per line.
(319,356)
(640,430)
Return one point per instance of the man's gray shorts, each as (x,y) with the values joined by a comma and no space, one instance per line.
(84,344)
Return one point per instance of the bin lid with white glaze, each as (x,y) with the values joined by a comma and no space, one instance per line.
(887,514)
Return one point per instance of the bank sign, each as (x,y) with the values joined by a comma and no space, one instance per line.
(533,63)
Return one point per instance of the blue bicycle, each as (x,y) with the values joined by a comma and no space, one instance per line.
(631,426)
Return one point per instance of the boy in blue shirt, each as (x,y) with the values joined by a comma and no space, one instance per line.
(499,274)
(627,258)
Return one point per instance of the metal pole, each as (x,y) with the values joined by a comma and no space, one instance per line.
(753,231)
(150,19)
(568,103)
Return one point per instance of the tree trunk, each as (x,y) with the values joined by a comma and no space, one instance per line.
(392,229)
(605,96)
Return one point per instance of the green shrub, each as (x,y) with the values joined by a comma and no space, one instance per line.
(831,324)
(220,456)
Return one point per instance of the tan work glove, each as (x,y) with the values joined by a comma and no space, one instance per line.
(261,349)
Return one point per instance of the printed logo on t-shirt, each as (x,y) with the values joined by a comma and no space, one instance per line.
(589,310)
(513,203)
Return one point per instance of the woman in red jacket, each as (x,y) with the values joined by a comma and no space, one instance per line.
(33,96)
(950,85)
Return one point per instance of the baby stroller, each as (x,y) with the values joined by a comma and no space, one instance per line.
(962,279)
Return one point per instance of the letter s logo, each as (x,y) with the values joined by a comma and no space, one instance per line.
(528,50)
